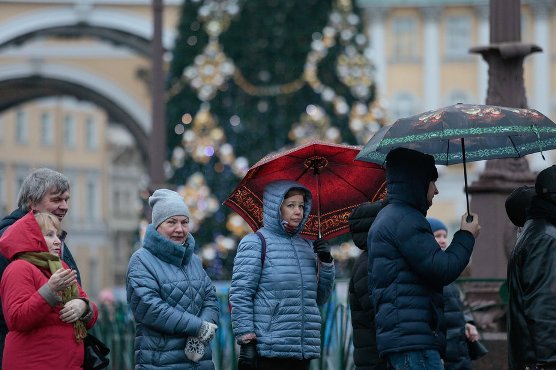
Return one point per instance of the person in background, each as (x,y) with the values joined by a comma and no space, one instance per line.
(365,354)
(43,190)
(274,295)
(517,204)
(407,270)
(532,281)
(459,327)
(172,298)
(46,310)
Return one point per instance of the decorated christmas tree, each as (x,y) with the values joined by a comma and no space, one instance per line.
(252,77)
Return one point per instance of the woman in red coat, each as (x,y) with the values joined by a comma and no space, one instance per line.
(46,310)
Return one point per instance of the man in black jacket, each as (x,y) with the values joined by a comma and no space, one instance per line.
(532,282)
(407,270)
(365,353)
(43,190)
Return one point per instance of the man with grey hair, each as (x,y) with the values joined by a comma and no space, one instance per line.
(43,190)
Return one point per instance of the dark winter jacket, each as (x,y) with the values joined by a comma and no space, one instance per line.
(66,257)
(170,295)
(365,354)
(407,269)
(457,355)
(278,300)
(532,292)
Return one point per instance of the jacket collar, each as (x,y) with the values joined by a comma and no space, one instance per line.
(167,250)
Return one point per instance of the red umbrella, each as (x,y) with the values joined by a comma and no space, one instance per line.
(337,182)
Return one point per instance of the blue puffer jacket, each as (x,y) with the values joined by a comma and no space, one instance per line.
(279,302)
(170,295)
(407,269)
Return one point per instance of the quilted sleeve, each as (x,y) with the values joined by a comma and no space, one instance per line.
(420,250)
(24,308)
(245,282)
(148,307)
(209,312)
(325,282)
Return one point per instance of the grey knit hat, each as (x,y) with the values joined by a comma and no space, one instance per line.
(166,203)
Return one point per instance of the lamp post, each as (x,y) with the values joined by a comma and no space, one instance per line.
(157,142)
(504,55)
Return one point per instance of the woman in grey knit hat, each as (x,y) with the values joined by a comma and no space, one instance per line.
(172,298)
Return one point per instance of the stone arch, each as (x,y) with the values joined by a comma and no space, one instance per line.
(118,27)
(23,82)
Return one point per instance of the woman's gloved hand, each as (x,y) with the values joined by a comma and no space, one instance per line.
(322,249)
(194,349)
(207,332)
(247,359)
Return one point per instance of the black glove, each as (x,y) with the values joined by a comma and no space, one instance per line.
(247,359)
(322,249)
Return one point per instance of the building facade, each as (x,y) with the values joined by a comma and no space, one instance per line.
(420,49)
(75,97)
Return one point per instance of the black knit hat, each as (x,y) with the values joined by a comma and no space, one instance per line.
(546,181)
(411,161)
(517,203)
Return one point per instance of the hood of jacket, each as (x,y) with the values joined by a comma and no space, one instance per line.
(273,197)
(360,221)
(166,250)
(408,175)
(24,235)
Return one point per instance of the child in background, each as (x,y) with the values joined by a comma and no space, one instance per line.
(459,328)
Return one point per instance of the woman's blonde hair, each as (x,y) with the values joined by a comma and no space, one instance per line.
(45,219)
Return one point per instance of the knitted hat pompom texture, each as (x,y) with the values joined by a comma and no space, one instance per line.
(436,224)
(166,203)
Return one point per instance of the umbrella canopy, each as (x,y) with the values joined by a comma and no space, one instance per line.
(488,131)
(337,182)
(462,133)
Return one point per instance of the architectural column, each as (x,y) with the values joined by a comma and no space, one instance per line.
(541,61)
(157,144)
(376,35)
(541,69)
(504,55)
(482,67)
(431,58)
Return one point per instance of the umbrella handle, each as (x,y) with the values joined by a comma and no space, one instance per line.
(318,204)
(469,218)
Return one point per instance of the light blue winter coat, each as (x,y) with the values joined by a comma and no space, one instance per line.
(280,303)
(170,295)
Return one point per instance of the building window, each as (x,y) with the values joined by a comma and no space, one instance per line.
(1,129)
(21,129)
(69,131)
(404,105)
(74,211)
(91,133)
(458,36)
(525,33)
(92,199)
(47,129)
(20,175)
(405,42)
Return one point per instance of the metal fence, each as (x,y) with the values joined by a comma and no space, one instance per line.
(116,328)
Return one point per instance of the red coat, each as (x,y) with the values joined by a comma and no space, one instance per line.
(37,338)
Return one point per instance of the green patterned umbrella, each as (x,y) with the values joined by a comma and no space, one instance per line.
(463,133)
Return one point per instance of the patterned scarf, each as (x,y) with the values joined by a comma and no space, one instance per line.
(52,263)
